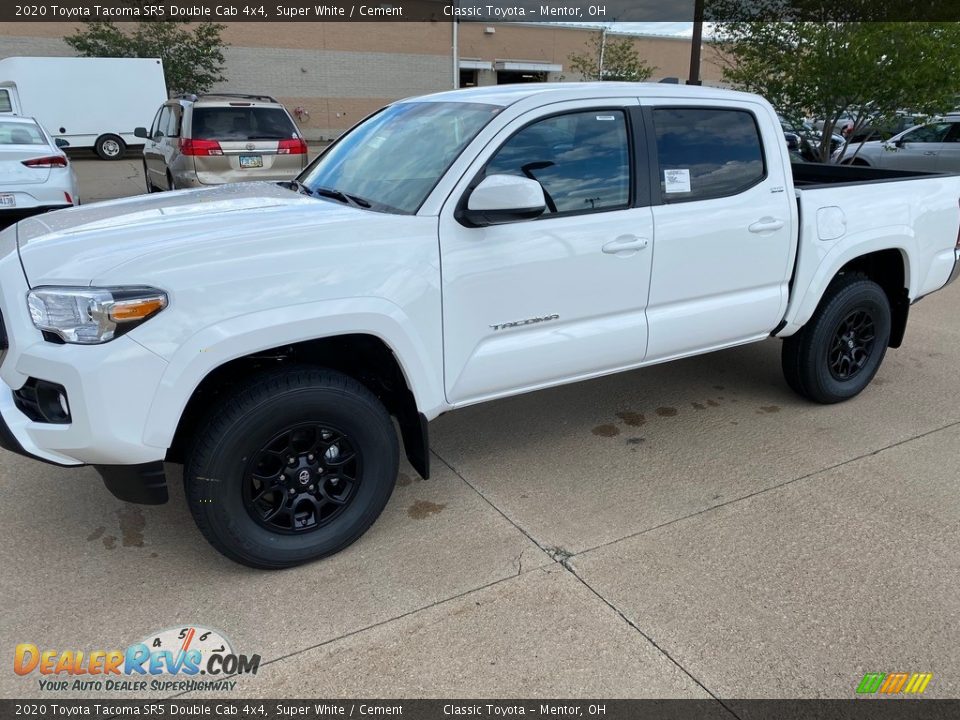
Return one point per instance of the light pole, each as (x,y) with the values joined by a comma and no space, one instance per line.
(695,42)
(455,29)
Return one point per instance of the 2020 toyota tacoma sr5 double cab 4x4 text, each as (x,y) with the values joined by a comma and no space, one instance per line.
(447,250)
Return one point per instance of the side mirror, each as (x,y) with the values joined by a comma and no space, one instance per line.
(61,143)
(899,143)
(141,132)
(502,199)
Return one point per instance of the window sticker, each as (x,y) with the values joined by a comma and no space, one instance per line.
(676,181)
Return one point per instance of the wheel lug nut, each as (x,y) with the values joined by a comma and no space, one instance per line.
(292,491)
(310,458)
(292,460)
(311,488)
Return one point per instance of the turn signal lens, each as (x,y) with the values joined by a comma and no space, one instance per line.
(129,310)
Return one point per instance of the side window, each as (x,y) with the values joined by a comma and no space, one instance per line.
(953,134)
(163,122)
(932,133)
(581,159)
(6,105)
(173,125)
(707,153)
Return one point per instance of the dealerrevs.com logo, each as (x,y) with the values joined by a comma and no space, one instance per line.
(177,659)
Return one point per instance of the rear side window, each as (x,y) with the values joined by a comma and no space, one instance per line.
(5,104)
(706,153)
(12,133)
(241,123)
(581,159)
(932,133)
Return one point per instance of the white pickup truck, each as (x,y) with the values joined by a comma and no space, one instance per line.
(447,250)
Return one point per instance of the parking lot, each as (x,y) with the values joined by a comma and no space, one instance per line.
(689,530)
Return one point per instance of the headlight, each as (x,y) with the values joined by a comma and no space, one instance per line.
(90,316)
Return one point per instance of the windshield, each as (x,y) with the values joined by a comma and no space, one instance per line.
(392,160)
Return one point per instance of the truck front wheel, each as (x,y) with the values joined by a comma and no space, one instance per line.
(295,467)
(837,353)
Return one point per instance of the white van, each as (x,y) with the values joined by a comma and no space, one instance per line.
(89,102)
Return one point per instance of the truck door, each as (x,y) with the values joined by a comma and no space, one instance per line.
(532,303)
(724,228)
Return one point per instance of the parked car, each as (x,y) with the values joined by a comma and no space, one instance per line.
(803,141)
(446,251)
(220,138)
(89,102)
(932,147)
(35,175)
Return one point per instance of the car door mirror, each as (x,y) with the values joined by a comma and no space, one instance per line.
(61,143)
(141,132)
(899,143)
(502,199)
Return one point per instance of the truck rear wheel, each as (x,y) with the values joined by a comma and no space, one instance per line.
(110,147)
(837,353)
(295,467)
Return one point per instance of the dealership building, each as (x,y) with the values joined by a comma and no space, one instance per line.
(334,73)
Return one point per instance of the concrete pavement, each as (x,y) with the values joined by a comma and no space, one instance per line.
(689,530)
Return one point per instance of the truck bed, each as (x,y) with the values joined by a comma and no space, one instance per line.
(807,176)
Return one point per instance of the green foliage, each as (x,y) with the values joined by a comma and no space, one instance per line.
(192,57)
(868,70)
(621,61)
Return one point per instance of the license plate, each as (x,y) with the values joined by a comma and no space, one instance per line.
(251,161)
(8,200)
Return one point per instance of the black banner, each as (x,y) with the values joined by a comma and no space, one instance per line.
(188,709)
(537,11)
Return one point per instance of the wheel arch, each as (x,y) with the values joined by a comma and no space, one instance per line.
(889,269)
(364,357)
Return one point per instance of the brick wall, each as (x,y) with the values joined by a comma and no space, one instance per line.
(340,72)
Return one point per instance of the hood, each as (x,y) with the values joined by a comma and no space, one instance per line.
(74,246)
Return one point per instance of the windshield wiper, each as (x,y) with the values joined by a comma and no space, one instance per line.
(342,197)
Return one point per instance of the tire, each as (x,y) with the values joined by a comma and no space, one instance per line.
(246,432)
(819,362)
(110,147)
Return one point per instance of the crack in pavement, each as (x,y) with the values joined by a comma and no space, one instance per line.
(562,557)
(372,626)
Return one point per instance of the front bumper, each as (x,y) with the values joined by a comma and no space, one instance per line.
(110,389)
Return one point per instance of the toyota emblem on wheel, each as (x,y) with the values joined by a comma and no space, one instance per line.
(304,476)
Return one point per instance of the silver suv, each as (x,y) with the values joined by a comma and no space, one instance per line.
(220,138)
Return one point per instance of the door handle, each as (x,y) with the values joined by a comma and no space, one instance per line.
(930,152)
(625,245)
(766,224)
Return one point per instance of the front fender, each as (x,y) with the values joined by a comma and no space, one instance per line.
(419,357)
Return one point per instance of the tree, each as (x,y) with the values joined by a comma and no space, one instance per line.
(868,70)
(192,58)
(610,59)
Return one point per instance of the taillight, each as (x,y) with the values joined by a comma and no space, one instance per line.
(49,161)
(292,146)
(189,146)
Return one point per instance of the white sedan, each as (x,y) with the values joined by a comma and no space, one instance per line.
(35,175)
